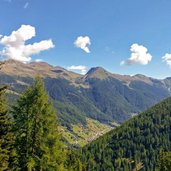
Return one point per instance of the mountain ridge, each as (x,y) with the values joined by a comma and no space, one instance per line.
(95,75)
(36,68)
(94,71)
(98,95)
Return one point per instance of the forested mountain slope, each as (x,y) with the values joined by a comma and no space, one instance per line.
(137,142)
(98,96)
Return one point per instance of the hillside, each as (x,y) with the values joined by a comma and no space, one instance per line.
(136,143)
(99,95)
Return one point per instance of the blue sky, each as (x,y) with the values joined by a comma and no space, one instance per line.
(112,26)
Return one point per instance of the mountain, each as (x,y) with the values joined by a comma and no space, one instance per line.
(15,68)
(97,96)
(136,143)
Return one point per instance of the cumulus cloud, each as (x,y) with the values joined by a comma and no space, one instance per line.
(83,42)
(15,47)
(39,60)
(80,68)
(167,58)
(139,55)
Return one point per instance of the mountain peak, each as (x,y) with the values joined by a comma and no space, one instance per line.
(97,72)
(96,69)
(40,64)
(140,76)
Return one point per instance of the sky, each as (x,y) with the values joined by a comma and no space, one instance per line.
(123,36)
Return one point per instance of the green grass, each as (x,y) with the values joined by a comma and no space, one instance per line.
(81,135)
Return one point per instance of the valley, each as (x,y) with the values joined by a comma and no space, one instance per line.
(82,135)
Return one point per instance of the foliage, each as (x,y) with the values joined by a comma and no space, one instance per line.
(37,137)
(137,141)
(73,162)
(7,151)
(165,161)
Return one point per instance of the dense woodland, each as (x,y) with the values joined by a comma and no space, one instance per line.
(137,143)
(30,139)
(29,136)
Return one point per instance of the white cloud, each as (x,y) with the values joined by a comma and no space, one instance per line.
(139,55)
(26,5)
(167,58)
(83,42)
(80,68)
(38,60)
(15,47)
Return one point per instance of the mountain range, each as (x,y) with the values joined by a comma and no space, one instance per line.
(99,95)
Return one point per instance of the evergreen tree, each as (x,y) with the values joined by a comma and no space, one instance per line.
(139,139)
(165,161)
(6,134)
(72,162)
(37,137)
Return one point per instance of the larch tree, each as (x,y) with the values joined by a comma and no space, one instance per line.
(6,133)
(37,137)
(164,161)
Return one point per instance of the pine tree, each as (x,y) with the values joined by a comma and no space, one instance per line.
(162,163)
(72,161)
(36,130)
(6,134)
(165,161)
